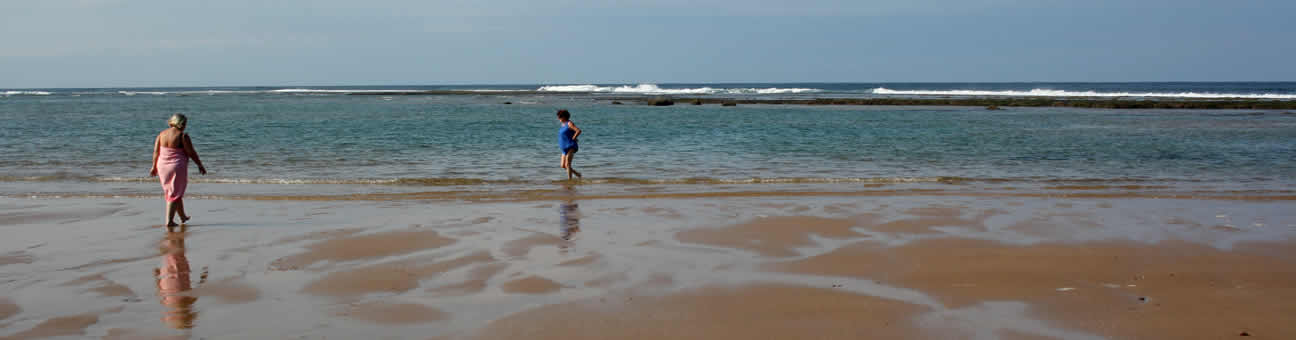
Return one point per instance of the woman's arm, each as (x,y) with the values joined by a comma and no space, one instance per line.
(193,154)
(573,127)
(157,144)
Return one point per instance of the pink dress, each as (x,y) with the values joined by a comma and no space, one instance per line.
(173,171)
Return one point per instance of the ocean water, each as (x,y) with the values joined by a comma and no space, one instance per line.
(320,141)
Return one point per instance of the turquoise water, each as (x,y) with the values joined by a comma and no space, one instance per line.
(102,143)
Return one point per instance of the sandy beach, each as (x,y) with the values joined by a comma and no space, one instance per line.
(709,267)
(644,170)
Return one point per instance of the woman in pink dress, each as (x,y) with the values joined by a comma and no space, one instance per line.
(172,151)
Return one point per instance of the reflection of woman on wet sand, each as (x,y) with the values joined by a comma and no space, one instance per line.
(172,151)
(568,219)
(173,283)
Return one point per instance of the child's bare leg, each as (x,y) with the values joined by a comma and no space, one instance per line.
(571,171)
(566,163)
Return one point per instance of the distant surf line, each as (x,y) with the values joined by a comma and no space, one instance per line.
(1063,93)
(654,89)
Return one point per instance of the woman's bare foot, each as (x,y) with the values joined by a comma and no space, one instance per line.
(171,224)
(578,175)
(184,219)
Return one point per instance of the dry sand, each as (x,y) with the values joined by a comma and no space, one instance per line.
(740,267)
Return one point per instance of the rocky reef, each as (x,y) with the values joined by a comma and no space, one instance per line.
(994,103)
(665,101)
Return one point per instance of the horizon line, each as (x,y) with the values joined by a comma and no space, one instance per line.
(666,83)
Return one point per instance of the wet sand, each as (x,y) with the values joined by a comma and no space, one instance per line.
(739,267)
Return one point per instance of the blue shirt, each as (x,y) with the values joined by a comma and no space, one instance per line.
(565,140)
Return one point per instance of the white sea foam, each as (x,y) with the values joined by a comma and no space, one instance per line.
(307,91)
(132,93)
(216,92)
(654,89)
(1063,93)
(334,91)
(780,90)
(26,93)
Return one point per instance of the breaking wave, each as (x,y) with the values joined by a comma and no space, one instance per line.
(132,93)
(26,93)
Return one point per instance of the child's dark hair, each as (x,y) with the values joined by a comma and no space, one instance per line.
(564,115)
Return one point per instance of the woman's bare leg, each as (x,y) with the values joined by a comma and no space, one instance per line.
(180,210)
(170,214)
(562,161)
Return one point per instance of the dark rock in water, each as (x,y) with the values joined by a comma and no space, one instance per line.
(508,103)
(993,107)
(729,104)
(661,102)
(1244,334)
(616,102)
(697,102)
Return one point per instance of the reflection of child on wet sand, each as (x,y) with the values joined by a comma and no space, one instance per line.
(568,219)
(173,283)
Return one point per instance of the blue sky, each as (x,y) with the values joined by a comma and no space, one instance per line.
(108,43)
